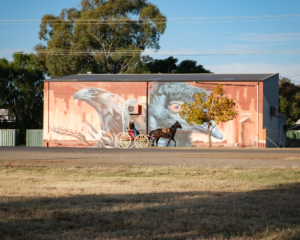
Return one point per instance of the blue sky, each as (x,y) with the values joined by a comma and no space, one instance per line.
(264,36)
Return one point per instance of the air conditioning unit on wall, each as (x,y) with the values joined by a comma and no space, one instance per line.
(134,109)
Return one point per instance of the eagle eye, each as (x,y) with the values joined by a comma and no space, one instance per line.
(175,107)
(93,91)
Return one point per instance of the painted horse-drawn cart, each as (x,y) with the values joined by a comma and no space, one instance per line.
(127,140)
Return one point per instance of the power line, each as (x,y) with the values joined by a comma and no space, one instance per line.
(156,20)
(163,52)
(166,50)
(294,76)
(118,23)
(151,19)
(296,81)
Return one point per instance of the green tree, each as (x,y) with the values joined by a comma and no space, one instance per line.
(190,66)
(109,34)
(209,110)
(169,65)
(289,100)
(21,83)
(139,66)
(284,80)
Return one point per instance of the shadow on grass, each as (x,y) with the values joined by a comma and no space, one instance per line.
(183,215)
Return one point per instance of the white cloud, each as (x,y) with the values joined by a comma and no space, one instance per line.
(252,46)
(272,37)
(286,70)
(241,46)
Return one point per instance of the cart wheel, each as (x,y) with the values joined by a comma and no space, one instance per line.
(123,140)
(141,141)
(131,145)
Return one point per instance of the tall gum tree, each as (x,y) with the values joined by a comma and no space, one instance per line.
(21,84)
(289,100)
(103,36)
(209,110)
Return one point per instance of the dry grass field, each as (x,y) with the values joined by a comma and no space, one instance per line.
(132,202)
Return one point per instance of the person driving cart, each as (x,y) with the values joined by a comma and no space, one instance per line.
(132,128)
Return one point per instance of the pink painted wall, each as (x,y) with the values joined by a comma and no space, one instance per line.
(78,114)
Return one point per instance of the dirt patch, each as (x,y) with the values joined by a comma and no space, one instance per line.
(292,159)
(67,157)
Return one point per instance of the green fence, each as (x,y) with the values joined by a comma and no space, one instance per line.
(9,137)
(34,138)
(293,140)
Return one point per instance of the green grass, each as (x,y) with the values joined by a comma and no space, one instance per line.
(255,175)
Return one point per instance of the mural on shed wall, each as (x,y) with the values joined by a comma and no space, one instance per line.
(166,100)
(94,113)
(165,104)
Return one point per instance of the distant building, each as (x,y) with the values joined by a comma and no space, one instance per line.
(4,116)
(88,110)
(293,135)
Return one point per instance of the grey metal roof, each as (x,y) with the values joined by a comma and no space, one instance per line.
(295,128)
(201,77)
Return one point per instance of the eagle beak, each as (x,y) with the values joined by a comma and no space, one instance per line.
(215,132)
(82,95)
(78,94)
(75,95)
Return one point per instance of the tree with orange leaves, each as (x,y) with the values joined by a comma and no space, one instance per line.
(209,110)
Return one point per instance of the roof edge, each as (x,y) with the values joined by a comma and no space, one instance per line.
(271,76)
(177,77)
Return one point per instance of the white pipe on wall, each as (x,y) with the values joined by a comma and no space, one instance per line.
(257,115)
(48,106)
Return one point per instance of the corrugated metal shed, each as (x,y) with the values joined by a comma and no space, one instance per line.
(9,137)
(34,138)
(165,77)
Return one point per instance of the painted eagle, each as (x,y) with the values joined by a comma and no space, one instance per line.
(109,107)
(165,105)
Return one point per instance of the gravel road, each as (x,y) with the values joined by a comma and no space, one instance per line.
(215,157)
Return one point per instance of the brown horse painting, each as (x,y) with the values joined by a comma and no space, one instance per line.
(165,133)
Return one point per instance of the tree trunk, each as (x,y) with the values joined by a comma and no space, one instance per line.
(209,137)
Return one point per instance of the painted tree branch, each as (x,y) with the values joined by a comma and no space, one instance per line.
(69,132)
